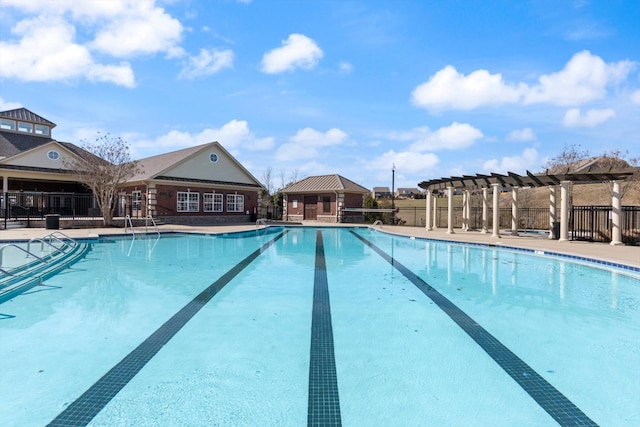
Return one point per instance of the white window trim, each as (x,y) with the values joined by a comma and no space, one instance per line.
(216,203)
(235,203)
(191,202)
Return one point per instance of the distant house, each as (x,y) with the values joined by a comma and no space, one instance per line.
(381,193)
(322,198)
(407,192)
(203,184)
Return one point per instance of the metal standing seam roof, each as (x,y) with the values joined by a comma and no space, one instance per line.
(335,182)
(26,115)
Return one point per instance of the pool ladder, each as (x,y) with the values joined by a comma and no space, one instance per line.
(377,222)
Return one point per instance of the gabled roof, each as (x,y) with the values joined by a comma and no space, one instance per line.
(381,190)
(314,184)
(12,143)
(156,167)
(27,116)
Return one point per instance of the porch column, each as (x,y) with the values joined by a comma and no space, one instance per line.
(427,219)
(5,190)
(450,210)
(564,211)
(553,218)
(496,211)
(514,211)
(485,209)
(616,214)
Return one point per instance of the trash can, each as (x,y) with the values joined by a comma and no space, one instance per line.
(52,222)
(555,231)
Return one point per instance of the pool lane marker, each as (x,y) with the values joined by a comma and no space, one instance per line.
(548,397)
(91,402)
(324,403)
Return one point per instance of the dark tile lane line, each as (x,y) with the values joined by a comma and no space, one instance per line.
(547,396)
(324,402)
(91,402)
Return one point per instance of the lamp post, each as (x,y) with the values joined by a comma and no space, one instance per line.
(393,194)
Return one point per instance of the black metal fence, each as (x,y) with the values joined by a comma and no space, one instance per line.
(592,223)
(32,205)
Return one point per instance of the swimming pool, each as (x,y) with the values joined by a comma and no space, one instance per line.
(321,326)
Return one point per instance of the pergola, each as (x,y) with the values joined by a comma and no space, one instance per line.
(514,181)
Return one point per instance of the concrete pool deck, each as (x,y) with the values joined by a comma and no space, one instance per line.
(627,255)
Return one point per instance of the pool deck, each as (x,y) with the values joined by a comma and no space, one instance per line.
(620,254)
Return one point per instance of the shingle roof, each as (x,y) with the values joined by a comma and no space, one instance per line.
(314,184)
(12,143)
(26,115)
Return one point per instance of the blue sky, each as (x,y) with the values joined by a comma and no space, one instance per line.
(436,88)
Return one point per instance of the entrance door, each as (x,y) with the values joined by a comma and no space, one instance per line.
(311,207)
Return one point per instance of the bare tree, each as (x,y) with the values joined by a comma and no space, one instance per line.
(105,166)
(567,160)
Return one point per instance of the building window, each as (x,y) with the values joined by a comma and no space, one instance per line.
(295,204)
(213,157)
(42,130)
(212,202)
(7,124)
(136,200)
(235,203)
(25,127)
(53,155)
(188,201)
(326,204)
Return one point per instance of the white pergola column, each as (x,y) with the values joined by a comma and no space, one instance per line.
(553,218)
(435,212)
(564,211)
(514,211)
(465,225)
(496,211)
(616,214)
(427,219)
(450,210)
(485,209)
(468,208)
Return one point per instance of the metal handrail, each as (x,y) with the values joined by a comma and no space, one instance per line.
(22,249)
(261,221)
(377,222)
(153,221)
(42,241)
(55,234)
(128,219)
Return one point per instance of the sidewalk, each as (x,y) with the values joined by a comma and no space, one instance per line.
(627,255)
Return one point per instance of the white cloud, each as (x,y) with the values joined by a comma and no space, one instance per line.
(345,67)
(233,134)
(518,164)
(521,135)
(635,97)
(456,136)
(305,144)
(46,52)
(141,29)
(206,63)
(584,78)
(6,106)
(448,89)
(405,161)
(592,118)
(58,40)
(297,51)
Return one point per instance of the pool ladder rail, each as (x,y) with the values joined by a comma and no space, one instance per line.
(377,222)
(62,252)
(129,223)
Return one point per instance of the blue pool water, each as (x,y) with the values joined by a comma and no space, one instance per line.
(321,326)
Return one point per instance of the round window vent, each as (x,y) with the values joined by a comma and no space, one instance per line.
(53,155)
(213,157)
